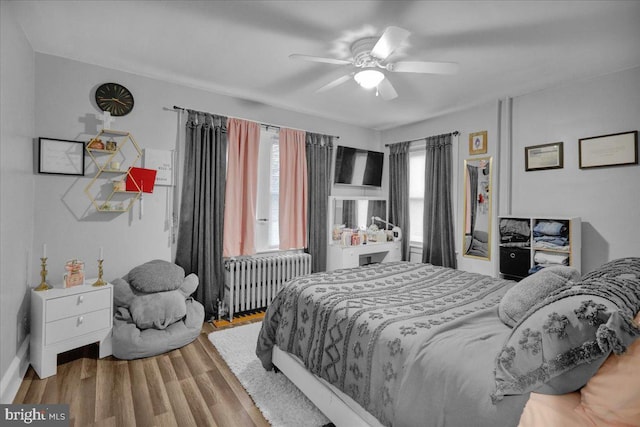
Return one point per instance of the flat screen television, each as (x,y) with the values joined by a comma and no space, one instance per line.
(355,166)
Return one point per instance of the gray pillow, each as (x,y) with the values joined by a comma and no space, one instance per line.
(533,289)
(558,346)
(157,310)
(564,339)
(156,276)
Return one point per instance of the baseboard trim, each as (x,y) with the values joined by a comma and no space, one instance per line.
(10,382)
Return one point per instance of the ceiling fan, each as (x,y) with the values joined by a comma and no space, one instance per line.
(370,54)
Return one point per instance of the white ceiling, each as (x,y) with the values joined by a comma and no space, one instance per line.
(241,48)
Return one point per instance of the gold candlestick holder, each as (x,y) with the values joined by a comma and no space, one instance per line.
(100,282)
(43,274)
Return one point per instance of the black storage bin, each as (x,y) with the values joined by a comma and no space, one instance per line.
(514,262)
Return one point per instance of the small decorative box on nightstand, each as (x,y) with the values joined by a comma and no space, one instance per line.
(63,319)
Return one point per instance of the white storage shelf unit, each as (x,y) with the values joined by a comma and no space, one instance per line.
(518,257)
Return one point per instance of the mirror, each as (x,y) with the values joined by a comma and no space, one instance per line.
(357,213)
(477,208)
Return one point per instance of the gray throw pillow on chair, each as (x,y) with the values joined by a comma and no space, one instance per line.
(158,310)
(156,276)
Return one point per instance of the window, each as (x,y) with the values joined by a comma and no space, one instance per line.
(267,203)
(416,194)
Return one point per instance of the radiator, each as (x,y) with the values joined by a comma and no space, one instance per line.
(251,283)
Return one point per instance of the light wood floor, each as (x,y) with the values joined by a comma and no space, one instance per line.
(191,386)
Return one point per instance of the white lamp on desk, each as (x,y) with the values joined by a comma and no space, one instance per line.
(397,231)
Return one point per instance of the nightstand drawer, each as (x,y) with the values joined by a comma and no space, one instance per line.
(73,305)
(76,326)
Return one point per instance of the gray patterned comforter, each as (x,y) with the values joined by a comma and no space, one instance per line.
(413,344)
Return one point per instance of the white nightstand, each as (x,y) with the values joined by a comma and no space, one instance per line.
(66,318)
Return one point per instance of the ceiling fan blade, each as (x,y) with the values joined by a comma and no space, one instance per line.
(334,83)
(319,59)
(424,67)
(386,90)
(389,41)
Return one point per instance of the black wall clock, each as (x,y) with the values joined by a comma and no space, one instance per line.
(114,98)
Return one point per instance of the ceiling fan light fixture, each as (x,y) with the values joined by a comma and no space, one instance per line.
(368,79)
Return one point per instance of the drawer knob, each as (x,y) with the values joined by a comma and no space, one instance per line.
(512,255)
(80,320)
(80,299)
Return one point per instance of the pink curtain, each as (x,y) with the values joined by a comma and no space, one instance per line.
(241,190)
(293,190)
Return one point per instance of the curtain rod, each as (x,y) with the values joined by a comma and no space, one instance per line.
(454,133)
(267,125)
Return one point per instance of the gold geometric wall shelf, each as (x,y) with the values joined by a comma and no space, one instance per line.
(110,150)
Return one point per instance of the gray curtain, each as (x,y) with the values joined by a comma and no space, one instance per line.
(199,248)
(376,208)
(319,150)
(438,238)
(349,213)
(399,192)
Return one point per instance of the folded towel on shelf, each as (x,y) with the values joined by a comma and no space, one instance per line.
(545,245)
(514,227)
(549,228)
(554,240)
(551,242)
(547,258)
(508,244)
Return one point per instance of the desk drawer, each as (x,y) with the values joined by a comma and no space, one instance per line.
(74,305)
(71,327)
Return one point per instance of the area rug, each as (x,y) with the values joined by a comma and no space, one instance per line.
(280,402)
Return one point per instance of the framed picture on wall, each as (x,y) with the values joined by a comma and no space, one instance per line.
(161,161)
(545,156)
(61,157)
(478,142)
(609,150)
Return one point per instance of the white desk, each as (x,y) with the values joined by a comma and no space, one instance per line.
(339,256)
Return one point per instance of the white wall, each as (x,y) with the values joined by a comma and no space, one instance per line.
(482,117)
(607,199)
(17,105)
(47,96)
(65,109)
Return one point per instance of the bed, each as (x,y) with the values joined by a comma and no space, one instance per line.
(408,344)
